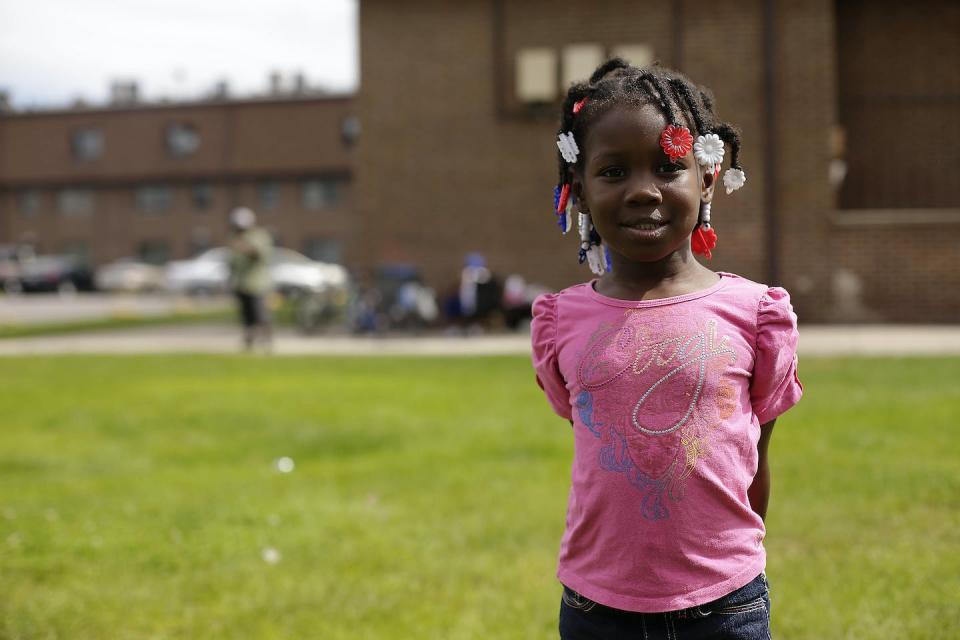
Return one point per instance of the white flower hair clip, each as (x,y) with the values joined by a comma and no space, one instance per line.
(708,150)
(568,147)
(733,179)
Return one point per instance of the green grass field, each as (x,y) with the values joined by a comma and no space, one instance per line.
(139,498)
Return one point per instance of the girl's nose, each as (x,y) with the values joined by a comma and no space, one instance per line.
(643,191)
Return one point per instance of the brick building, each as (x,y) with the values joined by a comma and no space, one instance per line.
(157,181)
(847,107)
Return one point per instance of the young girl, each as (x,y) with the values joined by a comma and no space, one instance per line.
(672,375)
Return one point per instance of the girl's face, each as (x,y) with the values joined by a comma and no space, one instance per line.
(642,205)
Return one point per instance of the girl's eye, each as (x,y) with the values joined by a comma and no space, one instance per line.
(669,167)
(612,172)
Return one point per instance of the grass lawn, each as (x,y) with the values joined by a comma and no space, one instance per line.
(139,498)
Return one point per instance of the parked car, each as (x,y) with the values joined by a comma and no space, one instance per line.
(129,275)
(205,274)
(64,274)
(10,257)
(293,273)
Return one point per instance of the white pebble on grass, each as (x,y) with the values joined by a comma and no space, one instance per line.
(270,555)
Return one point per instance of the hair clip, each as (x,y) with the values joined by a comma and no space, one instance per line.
(563,206)
(568,147)
(560,196)
(566,219)
(578,105)
(733,179)
(708,150)
(676,142)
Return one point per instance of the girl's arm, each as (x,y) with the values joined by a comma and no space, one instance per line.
(759,491)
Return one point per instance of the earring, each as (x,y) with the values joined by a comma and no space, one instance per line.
(592,250)
(583,225)
(704,238)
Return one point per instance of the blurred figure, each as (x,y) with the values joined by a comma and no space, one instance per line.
(479,292)
(250,251)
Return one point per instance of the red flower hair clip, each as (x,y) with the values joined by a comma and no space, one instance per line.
(676,142)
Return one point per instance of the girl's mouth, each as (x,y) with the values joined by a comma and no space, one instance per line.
(646,226)
(646,230)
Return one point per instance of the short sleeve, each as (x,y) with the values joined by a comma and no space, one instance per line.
(775,386)
(543,335)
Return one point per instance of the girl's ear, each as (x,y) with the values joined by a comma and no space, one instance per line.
(708,181)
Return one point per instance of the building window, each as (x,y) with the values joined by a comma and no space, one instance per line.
(323,249)
(79,250)
(895,94)
(28,202)
(639,55)
(75,202)
(153,251)
(321,193)
(154,198)
(268,195)
(199,241)
(536,75)
(182,139)
(350,130)
(202,195)
(86,144)
(579,61)
(542,75)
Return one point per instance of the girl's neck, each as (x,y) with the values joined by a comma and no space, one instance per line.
(675,275)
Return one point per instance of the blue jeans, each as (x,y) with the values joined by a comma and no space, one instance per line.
(741,615)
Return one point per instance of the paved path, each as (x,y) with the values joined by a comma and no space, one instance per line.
(44,308)
(816,340)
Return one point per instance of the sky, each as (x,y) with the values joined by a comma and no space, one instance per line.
(53,52)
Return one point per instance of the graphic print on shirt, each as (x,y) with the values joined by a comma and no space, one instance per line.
(653,391)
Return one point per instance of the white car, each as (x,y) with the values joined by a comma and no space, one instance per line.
(205,274)
(293,273)
(129,275)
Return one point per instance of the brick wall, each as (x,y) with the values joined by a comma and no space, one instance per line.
(242,145)
(446,165)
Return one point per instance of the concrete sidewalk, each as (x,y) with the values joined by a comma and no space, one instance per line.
(815,340)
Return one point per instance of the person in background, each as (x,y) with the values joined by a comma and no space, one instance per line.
(479,292)
(250,251)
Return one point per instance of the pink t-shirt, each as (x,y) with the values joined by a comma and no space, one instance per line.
(666,397)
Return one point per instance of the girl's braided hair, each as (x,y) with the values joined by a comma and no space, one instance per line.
(616,83)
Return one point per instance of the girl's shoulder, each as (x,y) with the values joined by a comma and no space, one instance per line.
(545,305)
(775,322)
(744,286)
(763,296)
